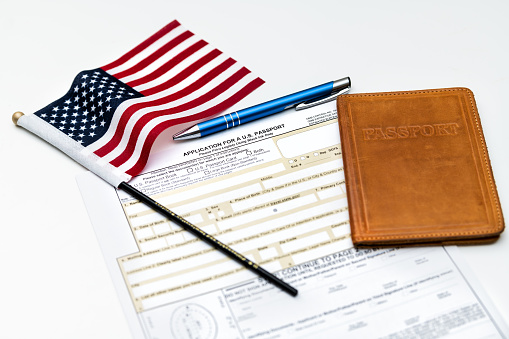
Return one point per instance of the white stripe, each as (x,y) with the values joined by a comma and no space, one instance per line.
(191,79)
(73,149)
(146,130)
(126,104)
(177,69)
(161,60)
(140,113)
(149,50)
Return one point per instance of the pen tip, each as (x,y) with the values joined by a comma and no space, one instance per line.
(178,135)
(188,133)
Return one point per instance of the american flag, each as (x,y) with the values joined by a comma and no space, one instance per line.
(111,116)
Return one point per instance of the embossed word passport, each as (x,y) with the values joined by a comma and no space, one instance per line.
(417,169)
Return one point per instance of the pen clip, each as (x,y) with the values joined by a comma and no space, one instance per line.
(307,104)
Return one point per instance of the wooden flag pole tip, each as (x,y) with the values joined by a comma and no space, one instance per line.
(16,116)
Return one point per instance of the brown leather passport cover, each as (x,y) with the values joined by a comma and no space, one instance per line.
(417,169)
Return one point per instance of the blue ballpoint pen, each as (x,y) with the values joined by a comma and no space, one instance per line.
(300,100)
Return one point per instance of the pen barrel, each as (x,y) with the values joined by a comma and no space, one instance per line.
(262,110)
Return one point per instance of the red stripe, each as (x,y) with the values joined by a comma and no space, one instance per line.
(144,120)
(168,65)
(162,32)
(152,136)
(154,56)
(185,73)
(117,137)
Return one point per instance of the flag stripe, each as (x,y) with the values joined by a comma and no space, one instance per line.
(129,119)
(149,50)
(168,65)
(129,55)
(185,73)
(198,63)
(177,95)
(143,154)
(167,57)
(145,119)
(154,56)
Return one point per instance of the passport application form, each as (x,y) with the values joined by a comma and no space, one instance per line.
(273,190)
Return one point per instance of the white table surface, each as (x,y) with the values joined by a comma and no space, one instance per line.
(53,280)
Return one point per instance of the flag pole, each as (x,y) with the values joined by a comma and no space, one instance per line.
(222,247)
